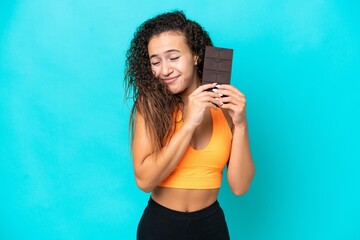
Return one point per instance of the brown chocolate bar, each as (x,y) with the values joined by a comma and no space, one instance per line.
(217,65)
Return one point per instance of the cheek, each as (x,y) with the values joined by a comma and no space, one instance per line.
(155,72)
(189,67)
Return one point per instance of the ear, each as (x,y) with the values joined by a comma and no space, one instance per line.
(196,59)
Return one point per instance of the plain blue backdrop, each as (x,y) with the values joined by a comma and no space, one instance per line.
(66,169)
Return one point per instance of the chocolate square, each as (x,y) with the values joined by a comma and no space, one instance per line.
(217,65)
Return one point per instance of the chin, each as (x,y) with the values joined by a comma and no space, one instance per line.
(174,90)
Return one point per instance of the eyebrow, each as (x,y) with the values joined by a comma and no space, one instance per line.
(168,51)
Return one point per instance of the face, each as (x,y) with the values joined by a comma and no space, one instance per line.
(172,61)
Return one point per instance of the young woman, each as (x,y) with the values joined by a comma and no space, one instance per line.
(183,135)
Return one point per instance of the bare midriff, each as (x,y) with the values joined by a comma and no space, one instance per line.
(184,200)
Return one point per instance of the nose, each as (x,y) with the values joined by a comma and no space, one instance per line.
(166,69)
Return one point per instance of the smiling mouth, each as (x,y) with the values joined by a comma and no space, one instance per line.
(170,80)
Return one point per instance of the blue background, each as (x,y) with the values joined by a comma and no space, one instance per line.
(65,167)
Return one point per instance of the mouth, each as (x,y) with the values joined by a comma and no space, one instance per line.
(170,79)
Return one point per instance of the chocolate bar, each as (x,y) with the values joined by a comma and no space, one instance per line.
(217,65)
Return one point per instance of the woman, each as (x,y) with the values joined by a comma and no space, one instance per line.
(183,135)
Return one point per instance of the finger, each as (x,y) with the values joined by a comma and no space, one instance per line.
(223,92)
(229,93)
(205,94)
(202,99)
(204,88)
(213,100)
(227,106)
(230,88)
(211,105)
(219,102)
(234,100)
(233,107)
(237,110)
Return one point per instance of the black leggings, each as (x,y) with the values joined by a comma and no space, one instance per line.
(161,223)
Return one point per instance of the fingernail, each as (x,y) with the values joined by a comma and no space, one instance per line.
(214,90)
(214,83)
(218,85)
(219,101)
(220,94)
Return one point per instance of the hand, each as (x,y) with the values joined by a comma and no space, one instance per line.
(198,102)
(234,101)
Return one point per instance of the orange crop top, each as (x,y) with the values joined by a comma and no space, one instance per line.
(202,169)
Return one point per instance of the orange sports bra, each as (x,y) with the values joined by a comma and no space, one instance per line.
(202,169)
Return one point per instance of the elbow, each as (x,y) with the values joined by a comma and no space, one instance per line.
(240,191)
(144,186)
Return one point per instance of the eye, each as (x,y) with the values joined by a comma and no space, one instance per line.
(155,63)
(174,58)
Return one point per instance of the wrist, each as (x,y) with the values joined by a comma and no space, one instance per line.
(188,126)
(241,126)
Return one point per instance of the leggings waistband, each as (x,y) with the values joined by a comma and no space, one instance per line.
(167,212)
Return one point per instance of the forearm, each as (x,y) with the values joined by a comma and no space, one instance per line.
(158,165)
(241,168)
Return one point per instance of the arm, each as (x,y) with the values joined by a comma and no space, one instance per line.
(152,167)
(241,167)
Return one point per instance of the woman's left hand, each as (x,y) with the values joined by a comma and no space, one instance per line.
(234,101)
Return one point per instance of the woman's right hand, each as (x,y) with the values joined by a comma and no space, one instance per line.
(198,102)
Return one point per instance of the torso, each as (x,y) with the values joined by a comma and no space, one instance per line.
(185,200)
(190,200)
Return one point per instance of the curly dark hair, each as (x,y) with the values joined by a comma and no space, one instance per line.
(150,95)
